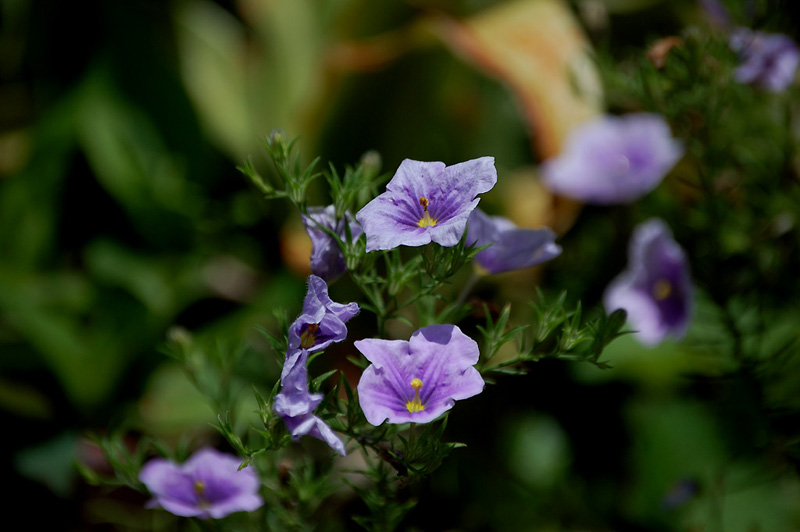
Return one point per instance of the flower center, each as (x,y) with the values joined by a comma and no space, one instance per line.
(426,220)
(415,405)
(309,336)
(199,490)
(662,289)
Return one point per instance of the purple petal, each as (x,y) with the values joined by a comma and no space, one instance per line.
(295,404)
(244,502)
(511,248)
(294,398)
(655,289)
(613,159)
(173,489)
(182,509)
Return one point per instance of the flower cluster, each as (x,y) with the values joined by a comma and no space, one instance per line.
(419,380)
(321,323)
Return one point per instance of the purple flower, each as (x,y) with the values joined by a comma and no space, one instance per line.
(295,405)
(716,12)
(426,201)
(418,380)
(655,290)
(613,159)
(322,321)
(511,248)
(327,260)
(769,60)
(209,484)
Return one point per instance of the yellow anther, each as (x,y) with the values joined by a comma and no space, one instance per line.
(662,289)
(426,220)
(199,487)
(308,337)
(415,405)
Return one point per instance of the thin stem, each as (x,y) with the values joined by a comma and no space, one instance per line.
(468,286)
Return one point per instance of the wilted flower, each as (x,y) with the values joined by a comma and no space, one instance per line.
(511,248)
(327,260)
(209,484)
(418,380)
(655,290)
(295,405)
(614,159)
(769,60)
(322,321)
(426,201)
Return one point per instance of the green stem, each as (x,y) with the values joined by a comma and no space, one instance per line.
(468,286)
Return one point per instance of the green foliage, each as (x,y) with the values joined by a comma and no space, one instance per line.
(555,333)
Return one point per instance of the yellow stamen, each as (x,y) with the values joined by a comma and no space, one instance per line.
(199,487)
(415,405)
(426,220)
(662,289)
(308,338)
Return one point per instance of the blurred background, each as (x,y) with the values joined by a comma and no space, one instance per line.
(124,223)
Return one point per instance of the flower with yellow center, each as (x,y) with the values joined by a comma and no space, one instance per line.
(426,202)
(437,363)
(655,289)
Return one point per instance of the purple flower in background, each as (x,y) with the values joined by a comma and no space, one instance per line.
(418,380)
(209,484)
(769,60)
(655,290)
(426,201)
(716,12)
(613,159)
(295,405)
(322,321)
(327,260)
(511,248)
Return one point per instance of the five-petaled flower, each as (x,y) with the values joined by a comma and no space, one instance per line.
(295,404)
(769,60)
(655,290)
(511,248)
(209,484)
(418,380)
(613,159)
(327,260)
(426,202)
